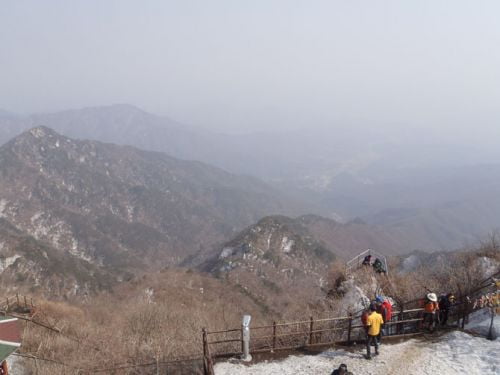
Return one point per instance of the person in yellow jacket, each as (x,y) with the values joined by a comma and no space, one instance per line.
(373,325)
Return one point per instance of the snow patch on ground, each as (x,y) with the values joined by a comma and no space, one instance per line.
(3,205)
(149,295)
(37,132)
(130,212)
(40,225)
(227,251)
(488,265)
(7,262)
(354,298)
(269,240)
(453,353)
(479,323)
(286,244)
(75,251)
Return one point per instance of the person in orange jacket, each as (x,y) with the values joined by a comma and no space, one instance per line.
(431,309)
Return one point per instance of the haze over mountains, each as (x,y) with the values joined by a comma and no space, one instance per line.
(79,215)
(434,195)
(117,207)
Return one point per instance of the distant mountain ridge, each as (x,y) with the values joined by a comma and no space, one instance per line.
(265,155)
(122,208)
(412,191)
(128,125)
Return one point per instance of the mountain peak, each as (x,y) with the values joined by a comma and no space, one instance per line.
(274,239)
(39,135)
(41,132)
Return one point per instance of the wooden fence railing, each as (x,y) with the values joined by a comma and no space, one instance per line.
(17,303)
(306,333)
(406,320)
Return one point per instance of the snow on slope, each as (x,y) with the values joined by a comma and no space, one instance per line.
(479,323)
(454,353)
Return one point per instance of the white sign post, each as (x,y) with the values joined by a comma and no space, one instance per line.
(245,329)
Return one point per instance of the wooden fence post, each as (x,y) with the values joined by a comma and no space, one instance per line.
(210,362)
(25,302)
(490,331)
(17,298)
(274,336)
(205,352)
(349,329)
(464,310)
(401,318)
(311,328)
(208,366)
(242,342)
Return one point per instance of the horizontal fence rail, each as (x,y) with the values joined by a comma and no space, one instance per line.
(17,303)
(407,320)
(305,333)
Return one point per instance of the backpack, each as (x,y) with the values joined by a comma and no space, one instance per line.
(364,317)
(388,310)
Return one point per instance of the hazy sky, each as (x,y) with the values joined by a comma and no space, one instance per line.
(238,64)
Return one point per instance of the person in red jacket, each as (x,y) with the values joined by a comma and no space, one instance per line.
(387,307)
(384,308)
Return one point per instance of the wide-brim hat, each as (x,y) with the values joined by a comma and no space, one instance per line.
(432,297)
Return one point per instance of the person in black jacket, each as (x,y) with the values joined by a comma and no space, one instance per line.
(378,266)
(342,370)
(367,261)
(445,303)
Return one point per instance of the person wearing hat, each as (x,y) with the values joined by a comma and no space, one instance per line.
(445,303)
(373,323)
(431,308)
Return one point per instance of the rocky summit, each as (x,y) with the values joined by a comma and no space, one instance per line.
(274,261)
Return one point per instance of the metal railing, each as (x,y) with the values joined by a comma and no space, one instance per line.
(357,261)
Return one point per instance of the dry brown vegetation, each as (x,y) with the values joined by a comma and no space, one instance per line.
(458,272)
(160,316)
(153,318)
